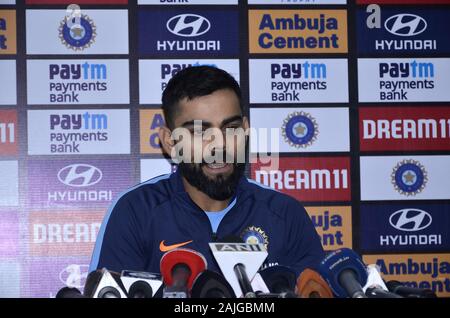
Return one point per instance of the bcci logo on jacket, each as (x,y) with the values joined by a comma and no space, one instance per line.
(255,235)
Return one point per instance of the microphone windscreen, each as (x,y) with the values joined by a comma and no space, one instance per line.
(311,285)
(69,292)
(278,278)
(210,284)
(92,282)
(140,289)
(192,259)
(342,261)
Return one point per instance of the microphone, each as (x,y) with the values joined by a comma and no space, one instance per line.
(141,284)
(377,292)
(104,284)
(244,282)
(375,287)
(179,268)
(240,271)
(345,273)
(69,292)
(409,292)
(140,289)
(239,262)
(209,284)
(280,280)
(311,285)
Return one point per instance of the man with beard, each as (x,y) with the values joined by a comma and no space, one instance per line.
(204,200)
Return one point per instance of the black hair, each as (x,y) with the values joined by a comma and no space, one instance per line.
(192,82)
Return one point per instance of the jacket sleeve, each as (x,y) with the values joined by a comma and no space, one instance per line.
(304,247)
(120,244)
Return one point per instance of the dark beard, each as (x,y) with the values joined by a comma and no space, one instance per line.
(220,188)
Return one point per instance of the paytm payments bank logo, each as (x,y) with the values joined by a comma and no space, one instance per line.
(92,32)
(78,82)
(403,30)
(297,31)
(298,81)
(68,184)
(92,131)
(403,80)
(405,227)
(177,33)
(8,34)
(157,73)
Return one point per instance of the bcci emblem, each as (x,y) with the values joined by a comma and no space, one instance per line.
(409,177)
(300,130)
(77,36)
(255,235)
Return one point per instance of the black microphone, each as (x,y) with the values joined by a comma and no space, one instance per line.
(239,269)
(409,292)
(69,292)
(141,284)
(210,284)
(244,281)
(104,284)
(280,280)
(377,292)
(140,289)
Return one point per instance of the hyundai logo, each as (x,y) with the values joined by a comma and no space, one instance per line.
(410,220)
(188,25)
(405,24)
(74,275)
(80,175)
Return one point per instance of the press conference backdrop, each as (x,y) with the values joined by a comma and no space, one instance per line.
(359,93)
